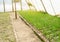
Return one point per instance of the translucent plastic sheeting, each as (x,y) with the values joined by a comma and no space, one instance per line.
(37,3)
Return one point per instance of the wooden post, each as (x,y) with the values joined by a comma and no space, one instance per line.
(43,6)
(12,6)
(52,6)
(4,5)
(15,11)
(21,4)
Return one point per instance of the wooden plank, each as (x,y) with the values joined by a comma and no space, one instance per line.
(16,0)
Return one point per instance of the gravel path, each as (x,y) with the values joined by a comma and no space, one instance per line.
(22,32)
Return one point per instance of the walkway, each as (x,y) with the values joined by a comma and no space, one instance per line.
(22,32)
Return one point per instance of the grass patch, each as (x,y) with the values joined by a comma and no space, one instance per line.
(48,25)
(6,30)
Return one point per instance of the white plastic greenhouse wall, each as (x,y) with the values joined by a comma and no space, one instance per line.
(52,6)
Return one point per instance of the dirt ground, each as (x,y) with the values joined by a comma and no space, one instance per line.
(23,33)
